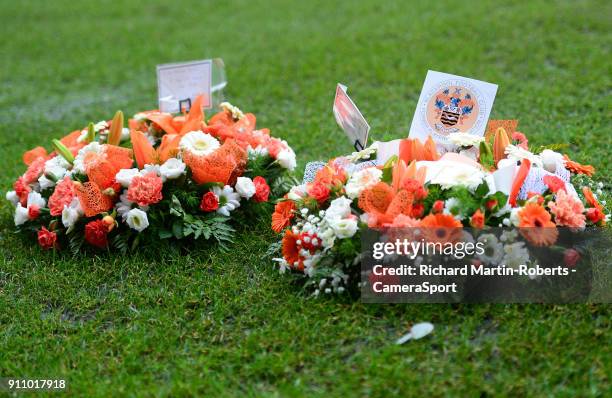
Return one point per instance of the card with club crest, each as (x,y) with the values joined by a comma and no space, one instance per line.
(452,104)
(178,84)
(350,119)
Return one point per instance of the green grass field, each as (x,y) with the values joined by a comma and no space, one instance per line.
(207,323)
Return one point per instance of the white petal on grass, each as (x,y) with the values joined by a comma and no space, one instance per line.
(418,331)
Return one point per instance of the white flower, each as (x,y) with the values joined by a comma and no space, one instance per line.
(199,143)
(344,228)
(79,160)
(459,175)
(140,117)
(245,187)
(56,168)
(514,216)
(125,176)
(45,182)
(517,153)
(254,153)
(228,199)
(124,205)
(464,139)
(234,110)
(339,208)
(151,168)
(21,215)
(361,180)
(493,250)
(36,199)
(551,160)
(297,192)
(71,213)
(12,197)
(452,207)
(172,168)
(125,134)
(137,219)
(363,154)
(286,158)
(515,255)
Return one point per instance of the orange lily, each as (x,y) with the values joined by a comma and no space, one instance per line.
(519,179)
(146,154)
(176,124)
(501,141)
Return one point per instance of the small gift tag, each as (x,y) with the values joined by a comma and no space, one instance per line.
(178,84)
(452,104)
(350,119)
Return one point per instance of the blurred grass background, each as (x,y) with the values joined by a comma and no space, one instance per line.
(228,324)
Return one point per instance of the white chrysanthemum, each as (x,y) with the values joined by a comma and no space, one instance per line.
(464,139)
(137,219)
(515,254)
(12,197)
(71,213)
(245,187)
(171,169)
(493,250)
(21,215)
(228,199)
(79,160)
(457,175)
(338,208)
(199,143)
(517,153)
(345,227)
(361,180)
(286,159)
(551,160)
(125,176)
(234,110)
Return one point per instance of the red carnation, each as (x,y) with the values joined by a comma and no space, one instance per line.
(96,233)
(554,183)
(47,239)
(210,202)
(22,189)
(262,190)
(595,215)
(318,191)
(438,206)
(33,212)
(571,257)
(417,210)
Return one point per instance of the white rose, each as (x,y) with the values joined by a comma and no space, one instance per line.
(458,174)
(12,197)
(344,228)
(21,214)
(551,160)
(199,143)
(71,213)
(137,219)
(245,187)
(362,180)
(125,176)
(286,158)
(172,168)
(338,208)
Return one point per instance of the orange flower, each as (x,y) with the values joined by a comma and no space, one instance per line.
(478,219)
(33,154)
(291,251)
(500,142)
(536,225)
(441,228)
(578,168)
(411,149)
(283,213)
(590,198)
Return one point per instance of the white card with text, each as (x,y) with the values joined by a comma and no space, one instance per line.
(178,84)
(350,119)
(452,104)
